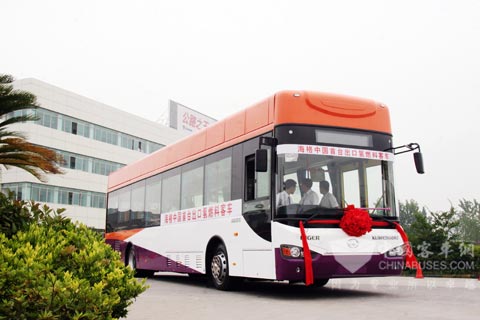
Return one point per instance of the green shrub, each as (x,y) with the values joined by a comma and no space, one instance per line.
(55,269)
(14,215)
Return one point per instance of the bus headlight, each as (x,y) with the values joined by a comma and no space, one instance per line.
(289,251)
(397,251)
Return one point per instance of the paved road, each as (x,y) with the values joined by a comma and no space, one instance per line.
(179,297)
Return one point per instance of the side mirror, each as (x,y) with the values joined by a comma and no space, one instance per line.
(261,160)
(418,158)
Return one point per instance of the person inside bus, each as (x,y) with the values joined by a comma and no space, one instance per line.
(284,198)
(328,199)
(310,197)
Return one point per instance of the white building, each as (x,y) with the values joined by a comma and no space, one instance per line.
(95,139)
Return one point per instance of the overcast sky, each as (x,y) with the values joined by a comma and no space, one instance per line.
(421,58)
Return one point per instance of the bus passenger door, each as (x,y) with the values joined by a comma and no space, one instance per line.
(258,258)
(256,200)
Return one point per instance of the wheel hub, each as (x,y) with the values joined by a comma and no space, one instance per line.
(219,267)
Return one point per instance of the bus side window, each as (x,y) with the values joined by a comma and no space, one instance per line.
(137,205)
(192,184)
(170,200)
(112,211)
(124,208)
(152,200)
(218,177)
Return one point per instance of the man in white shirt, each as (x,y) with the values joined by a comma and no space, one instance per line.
(284,198)
(328,199)
(310,197)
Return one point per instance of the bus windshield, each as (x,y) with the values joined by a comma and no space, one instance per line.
(316,180)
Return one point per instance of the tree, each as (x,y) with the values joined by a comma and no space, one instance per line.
(408,210)
(445,225)
(469,221)
(15,150)
(420,230)
(440,240)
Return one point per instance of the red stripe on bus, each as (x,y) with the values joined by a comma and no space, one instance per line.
(121,235)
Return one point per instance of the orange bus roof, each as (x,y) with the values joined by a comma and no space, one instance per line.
(285,107)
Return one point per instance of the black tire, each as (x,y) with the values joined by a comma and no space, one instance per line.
(318,283)
(197,276)
(219,270)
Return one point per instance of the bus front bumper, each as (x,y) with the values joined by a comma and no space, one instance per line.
(338,266)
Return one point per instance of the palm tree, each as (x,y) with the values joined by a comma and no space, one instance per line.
(15,150)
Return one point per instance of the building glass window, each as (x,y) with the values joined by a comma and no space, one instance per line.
(46,118)
(42,193)
(105,135)
(75,126)
(152,147)
(72,162)
(15,188)
(78,162)
(83,129)
(126,141)
(97,200)
(45,193)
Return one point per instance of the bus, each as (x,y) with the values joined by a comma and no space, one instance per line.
(209,203)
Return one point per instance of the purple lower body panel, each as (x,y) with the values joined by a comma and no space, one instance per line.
(149,260)
(339,266)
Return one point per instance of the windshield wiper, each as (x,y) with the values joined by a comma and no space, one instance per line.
(384,218)
(289,219)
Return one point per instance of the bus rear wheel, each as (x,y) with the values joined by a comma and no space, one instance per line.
(131,259)
(219,270)
(132,263)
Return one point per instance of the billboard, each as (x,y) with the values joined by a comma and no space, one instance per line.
(188,120)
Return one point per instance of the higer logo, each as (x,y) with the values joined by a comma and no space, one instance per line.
(352,243)
(311,237)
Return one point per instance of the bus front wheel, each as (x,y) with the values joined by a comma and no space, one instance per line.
(320,283)
(219,269)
